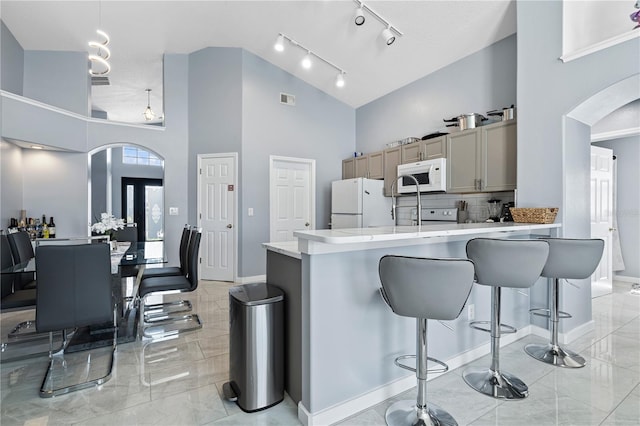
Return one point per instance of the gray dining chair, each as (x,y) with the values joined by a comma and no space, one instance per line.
(164,325)
(74,291)
(181,305)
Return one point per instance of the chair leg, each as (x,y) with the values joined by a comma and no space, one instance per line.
(166,325)
(493,382)
(47,390)
(552,353)
(419,412)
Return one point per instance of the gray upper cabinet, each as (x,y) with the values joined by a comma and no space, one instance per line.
(463,161)
(482,159)
(367,166)
(499,156)
(424,150)
(392,158)
(349,168)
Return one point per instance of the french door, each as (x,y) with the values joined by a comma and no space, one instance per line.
(142,204)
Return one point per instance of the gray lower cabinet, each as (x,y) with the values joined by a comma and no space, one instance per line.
(285,272)
(482,159)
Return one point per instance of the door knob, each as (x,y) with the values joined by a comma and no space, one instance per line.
(229,226)
(306,224)
(612,229)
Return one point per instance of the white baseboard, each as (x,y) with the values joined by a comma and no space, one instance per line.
(253,279)
(626,279)
(564,338)
(353,406)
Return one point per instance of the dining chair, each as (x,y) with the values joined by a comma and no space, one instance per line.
(13,297)
(179,283)
(74,290)
(22,251)
(129,234)
(169,271)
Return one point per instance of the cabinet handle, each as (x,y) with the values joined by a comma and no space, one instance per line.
(420,156)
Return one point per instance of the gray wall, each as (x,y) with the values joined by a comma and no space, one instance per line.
(98,184)
(58,130)
(318,127)
(10,182)
(481,82)
(215,109)
(549,89)
(60,79)
(12,64)
(627,151)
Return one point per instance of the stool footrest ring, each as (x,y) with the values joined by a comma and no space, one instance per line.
(544,312)
(444,366)
(504,328)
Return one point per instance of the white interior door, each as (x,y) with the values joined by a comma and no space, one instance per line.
(602,216)
(292,197)
(217,216)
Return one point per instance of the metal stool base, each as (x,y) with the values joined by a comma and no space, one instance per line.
(555,355)
(496,384)
(405,413)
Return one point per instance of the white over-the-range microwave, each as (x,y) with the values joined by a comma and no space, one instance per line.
(430,174)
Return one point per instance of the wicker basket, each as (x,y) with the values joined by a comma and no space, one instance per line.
(534,214)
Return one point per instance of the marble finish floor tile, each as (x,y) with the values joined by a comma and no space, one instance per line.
(178,381)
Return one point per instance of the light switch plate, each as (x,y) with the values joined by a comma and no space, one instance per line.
(173,211)
(250,211)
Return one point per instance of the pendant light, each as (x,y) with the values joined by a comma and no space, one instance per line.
(148,113)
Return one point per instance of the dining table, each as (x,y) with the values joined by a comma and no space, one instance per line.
(124,254)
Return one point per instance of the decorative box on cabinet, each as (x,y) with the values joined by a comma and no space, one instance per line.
(482,159)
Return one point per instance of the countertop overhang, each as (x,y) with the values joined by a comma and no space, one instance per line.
(351,239)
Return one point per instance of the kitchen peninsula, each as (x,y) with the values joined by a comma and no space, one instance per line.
(341,336)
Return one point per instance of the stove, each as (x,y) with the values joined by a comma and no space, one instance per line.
(439,215)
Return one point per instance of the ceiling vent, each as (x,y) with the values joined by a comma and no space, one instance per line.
(100,81)
(287,99)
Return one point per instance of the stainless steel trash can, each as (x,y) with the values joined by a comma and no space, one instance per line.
(256,346)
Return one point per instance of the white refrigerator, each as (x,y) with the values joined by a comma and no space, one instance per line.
(359,203)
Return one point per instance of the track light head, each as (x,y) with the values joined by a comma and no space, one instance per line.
(279,46)
(340,79)
(306,61)
(359,18)
(388,36)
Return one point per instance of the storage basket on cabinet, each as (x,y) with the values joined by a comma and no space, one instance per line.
(534,214)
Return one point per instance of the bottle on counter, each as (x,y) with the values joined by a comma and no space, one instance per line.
(45,230)
(52,228)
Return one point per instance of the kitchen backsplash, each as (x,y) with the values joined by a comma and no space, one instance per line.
(478,208)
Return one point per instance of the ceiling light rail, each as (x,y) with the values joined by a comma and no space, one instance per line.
(389,30)
(307,59)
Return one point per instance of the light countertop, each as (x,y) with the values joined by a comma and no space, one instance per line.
(350,239)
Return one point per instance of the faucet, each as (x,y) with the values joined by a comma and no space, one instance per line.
(393,199)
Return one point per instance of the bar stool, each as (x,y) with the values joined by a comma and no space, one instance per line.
(424,289)
(568,259)
(502,263)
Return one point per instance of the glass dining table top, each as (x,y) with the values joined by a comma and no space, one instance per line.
(125,254)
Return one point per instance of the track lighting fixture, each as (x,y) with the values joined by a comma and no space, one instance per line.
(308,57)
(148,112)
(388,34)
(279,46)
(359,19)
(306,61)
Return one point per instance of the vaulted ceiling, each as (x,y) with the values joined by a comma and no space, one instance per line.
(435,34)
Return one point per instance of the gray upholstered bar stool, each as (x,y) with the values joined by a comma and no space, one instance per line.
(568,259)
(424,289)
(502,263)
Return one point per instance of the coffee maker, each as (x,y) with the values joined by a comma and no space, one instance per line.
(494,210)
(505,216)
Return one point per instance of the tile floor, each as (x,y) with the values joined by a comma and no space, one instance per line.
(179,381)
